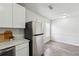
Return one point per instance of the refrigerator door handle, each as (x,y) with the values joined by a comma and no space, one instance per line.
(38,34)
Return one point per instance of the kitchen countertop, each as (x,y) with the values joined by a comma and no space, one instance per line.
(15,42)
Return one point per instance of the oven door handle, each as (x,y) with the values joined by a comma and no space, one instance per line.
(7,49)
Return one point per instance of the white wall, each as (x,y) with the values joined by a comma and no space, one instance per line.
(66,29)
(33,16)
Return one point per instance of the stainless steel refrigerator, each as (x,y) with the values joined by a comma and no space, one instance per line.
(34,33)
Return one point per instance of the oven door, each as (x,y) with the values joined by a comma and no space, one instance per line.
(8,51)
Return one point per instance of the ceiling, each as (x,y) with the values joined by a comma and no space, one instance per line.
(59,9)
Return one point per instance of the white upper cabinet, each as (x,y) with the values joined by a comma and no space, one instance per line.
(12,15)
(5,15)
(18,16)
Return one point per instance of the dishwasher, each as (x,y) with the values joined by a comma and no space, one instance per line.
(10,51)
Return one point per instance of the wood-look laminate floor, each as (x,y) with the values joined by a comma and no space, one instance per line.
(61,49)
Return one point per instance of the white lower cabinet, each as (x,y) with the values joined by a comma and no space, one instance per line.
(22,50)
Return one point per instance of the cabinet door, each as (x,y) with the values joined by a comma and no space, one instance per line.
(5,15)
(18,16)
(46,32)
(22,50)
